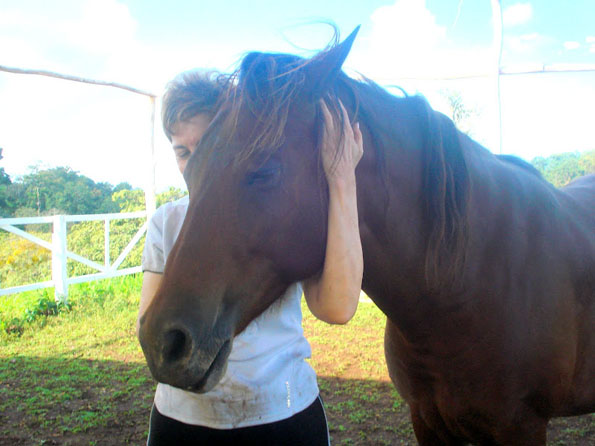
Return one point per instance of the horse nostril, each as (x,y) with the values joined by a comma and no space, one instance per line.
(176,345)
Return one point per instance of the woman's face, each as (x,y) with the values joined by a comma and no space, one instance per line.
(186,136)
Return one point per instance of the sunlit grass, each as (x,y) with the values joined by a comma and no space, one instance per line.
(80,378)
(80,369)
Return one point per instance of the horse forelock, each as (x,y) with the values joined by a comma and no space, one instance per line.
(265,89)
(268,86)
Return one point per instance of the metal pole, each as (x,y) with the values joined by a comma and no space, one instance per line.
(150,202)
(70,77)
(497,47)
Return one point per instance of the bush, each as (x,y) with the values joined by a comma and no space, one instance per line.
(87,239)
(22,261)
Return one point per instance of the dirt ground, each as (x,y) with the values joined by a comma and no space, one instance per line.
(378,420)
(361,403)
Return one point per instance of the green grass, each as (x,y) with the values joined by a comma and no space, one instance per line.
(18,311)
(80,370)
(79,377)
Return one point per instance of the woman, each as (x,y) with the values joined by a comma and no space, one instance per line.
(269,393)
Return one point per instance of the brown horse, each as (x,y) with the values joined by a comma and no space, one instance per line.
(485,271)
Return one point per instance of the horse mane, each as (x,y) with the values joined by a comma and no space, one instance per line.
(446,184)
(446,188)
(267,85)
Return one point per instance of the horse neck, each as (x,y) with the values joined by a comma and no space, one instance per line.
(390,197)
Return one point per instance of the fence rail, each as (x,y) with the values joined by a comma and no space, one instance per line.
(58,247)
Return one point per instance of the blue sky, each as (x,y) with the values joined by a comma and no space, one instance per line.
(104,133)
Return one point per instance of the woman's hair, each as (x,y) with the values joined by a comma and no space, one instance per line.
(189,94)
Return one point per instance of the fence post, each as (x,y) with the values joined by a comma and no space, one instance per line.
(106,255)
(59,271)
(150,199)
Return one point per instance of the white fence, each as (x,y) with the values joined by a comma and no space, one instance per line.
(60,280)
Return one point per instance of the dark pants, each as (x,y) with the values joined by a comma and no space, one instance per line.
(306,428)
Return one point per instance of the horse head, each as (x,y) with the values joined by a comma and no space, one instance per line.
(257,216)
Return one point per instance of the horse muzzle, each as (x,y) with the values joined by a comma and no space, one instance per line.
(182,359)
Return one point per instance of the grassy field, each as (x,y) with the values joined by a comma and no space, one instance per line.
(79,377)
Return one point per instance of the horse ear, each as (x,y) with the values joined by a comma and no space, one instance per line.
(324,68)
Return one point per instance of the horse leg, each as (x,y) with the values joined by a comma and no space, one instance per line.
(531,431)
(426,436)
(426,433)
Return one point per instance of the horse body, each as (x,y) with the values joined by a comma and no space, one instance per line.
(514,345)
(485,271)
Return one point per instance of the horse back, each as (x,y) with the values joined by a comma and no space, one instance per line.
(580,198)
(582,191)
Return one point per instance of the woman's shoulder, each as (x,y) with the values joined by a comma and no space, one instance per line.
(180,203)
(166,210)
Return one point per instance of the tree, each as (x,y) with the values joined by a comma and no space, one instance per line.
(5,205)
(129,200)
(460,112)
(62,190)
(560,169)
(171,194)
(122,186)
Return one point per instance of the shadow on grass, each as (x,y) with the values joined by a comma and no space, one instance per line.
(370,412)
(64,401)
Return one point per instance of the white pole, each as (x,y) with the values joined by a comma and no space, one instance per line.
(497,48)
(106,255)
(59,271)
(150,202)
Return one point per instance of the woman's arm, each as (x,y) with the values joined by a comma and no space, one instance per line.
(151,283)
(333,296)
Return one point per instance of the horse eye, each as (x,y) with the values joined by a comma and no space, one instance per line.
(267,175)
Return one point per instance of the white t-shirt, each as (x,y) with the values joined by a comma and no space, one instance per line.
(267,377)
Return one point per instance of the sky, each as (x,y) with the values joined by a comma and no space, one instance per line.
(104,133)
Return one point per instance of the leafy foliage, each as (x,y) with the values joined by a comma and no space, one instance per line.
(87,239)
(561,169)
(129,200)
(60,190)
(171,194)
(22,261)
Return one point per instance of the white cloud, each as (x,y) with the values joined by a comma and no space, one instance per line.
(406,41)
(543,115)
(75,123)
(408,24)
(517,14)
(82,38)
(571,45)
(525,43)
(104,27)
(98,131)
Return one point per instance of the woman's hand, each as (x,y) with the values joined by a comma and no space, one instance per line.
(341,149)
(334,294)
